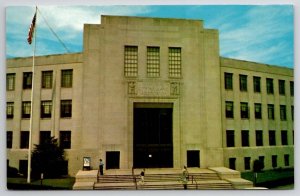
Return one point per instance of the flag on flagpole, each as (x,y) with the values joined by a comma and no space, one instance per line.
(31,29)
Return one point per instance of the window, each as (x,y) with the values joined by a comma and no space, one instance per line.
(131,61)
(232,163)
(66,108)
(27,80)
(47,79)
(256,84)
(292,88)
(66,78)
(46,108)
(293,137)
(247,161)
(282,112)
(65,139)
(153,61)
(286,160)
(230,138)
(245,138)
(284,138)
(257,110)
(23,167)
(274,161)
(244,110)
(281,87)
(10,81)
(262,160)
(9,139)
(45,136)
(270,87)
(272,138)
(228,81)
(229,109)
(26,109)
(292,112)
(243,82)
(271,112)
(175,62)
(24,143)
(10,110)
(259,137)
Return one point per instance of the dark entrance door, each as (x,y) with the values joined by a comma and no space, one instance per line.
(193,158)
(152,142)
(112,159)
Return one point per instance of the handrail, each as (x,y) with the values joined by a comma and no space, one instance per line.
(98,176)
(194,179)
(134,178)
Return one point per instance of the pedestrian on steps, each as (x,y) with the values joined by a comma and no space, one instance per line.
(101,165)
(185,177)
(142,175)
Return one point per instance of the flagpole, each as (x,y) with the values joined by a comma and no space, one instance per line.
(31,107)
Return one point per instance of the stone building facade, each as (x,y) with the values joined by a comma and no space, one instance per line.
(148,93)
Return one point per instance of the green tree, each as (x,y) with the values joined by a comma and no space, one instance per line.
(48,158)
(258,165)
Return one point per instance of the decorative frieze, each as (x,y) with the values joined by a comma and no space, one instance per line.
(153,89)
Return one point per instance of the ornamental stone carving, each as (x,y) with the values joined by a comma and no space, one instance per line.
(175,89)
(131,88)
(153,88)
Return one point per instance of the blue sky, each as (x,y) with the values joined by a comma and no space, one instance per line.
(261,33)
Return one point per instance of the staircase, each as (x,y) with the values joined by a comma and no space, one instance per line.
(164,179)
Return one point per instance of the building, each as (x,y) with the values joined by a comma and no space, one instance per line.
(152,92)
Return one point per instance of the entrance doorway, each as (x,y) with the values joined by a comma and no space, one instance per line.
(193,158)
(152,138)
(113,160)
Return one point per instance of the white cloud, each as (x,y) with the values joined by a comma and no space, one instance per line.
(75,17)
(255,35)
(258,38)
(66,21)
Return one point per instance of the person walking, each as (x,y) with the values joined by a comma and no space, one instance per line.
(185,177)
(142,177)
(101,165)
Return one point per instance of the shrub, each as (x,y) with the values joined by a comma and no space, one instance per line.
(48,158)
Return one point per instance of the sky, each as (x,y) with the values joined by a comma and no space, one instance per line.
(259,33)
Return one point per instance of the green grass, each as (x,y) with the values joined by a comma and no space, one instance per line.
(53,184)
(271,178)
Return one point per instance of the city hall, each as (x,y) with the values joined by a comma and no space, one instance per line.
(151,93)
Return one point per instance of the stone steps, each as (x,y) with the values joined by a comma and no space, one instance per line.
(155,177)
(169,180)
(161,179)
(173,185)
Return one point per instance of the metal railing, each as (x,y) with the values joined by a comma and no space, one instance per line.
(134,178)
(194,179)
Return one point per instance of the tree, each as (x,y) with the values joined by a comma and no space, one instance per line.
(258,165)
(48,158)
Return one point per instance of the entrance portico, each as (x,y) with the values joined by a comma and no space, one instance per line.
(153,142)
(154,131)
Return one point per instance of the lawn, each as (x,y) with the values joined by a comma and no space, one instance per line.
(47,184)
(271,178)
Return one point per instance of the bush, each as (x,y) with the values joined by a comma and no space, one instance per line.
(12,172)
(258,165)
(48,158)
